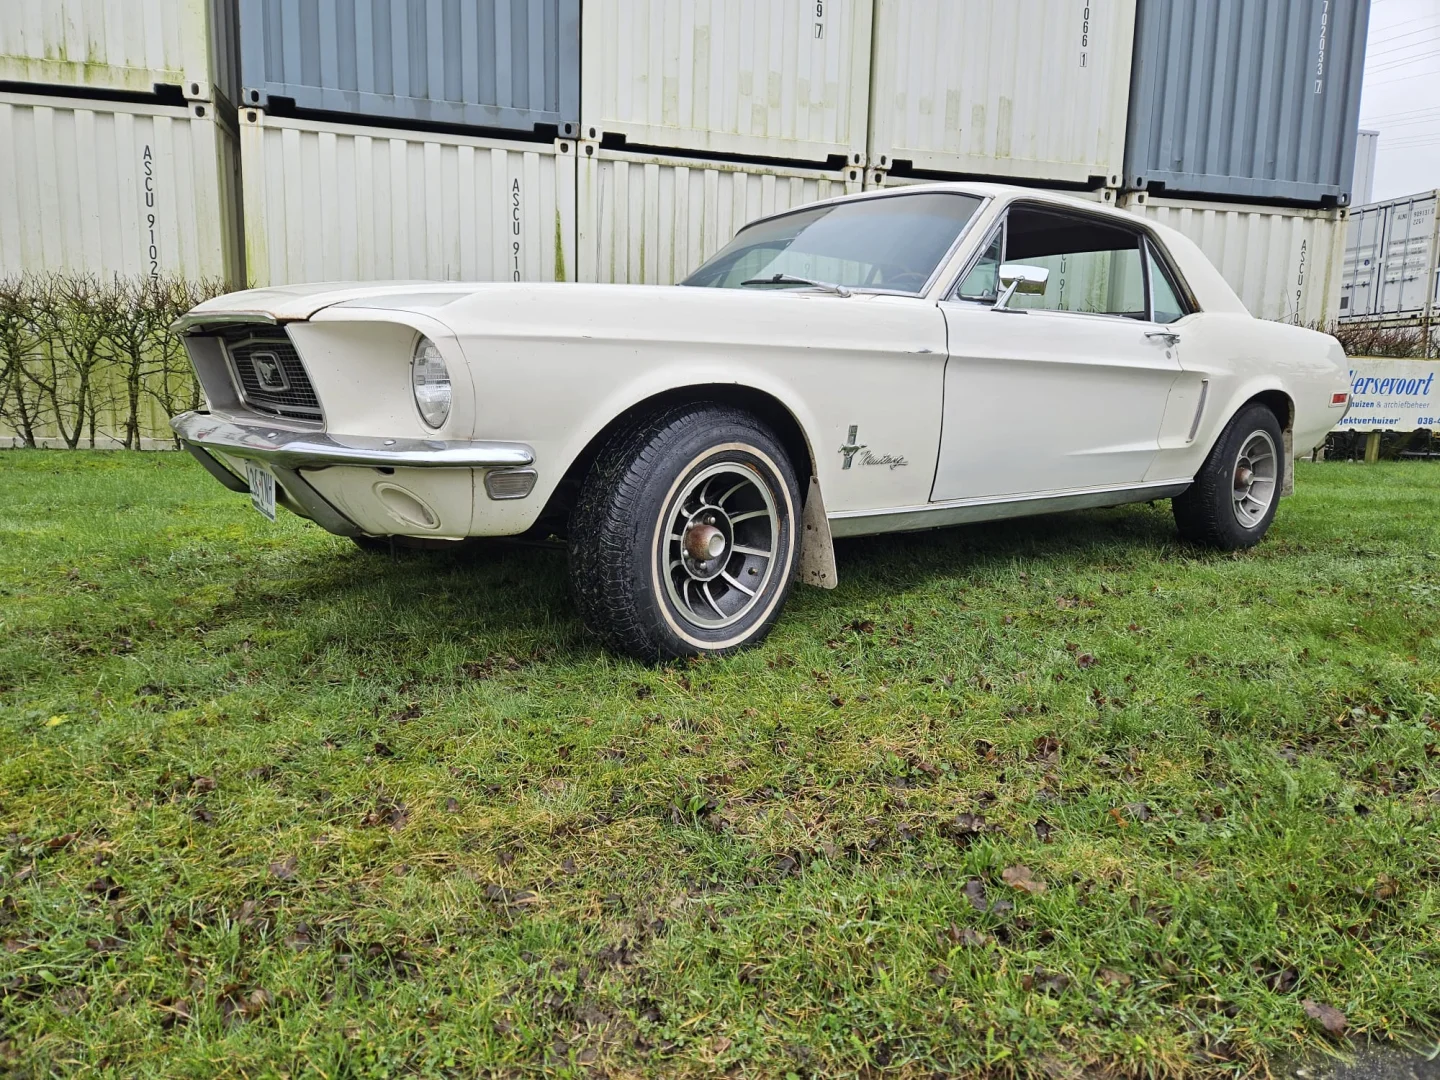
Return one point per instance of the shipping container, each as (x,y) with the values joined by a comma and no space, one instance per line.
(782,79)
(1391,268)
(1035,89)
(502,64)
(334,202)
(122,46)
(651,219)
(114,188)
(1256,101)
(1283,262)
(1367,147)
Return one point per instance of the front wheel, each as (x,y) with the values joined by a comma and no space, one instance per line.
(1233,499)
(683,540)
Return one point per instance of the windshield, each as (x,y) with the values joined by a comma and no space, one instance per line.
(892,243)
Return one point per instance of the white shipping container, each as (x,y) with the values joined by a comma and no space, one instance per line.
(332,202)
(785,79)
(1367,147)
(1284,263)
(113,188)
(1392,260)
(647,219)
(122,45)
(1006,88)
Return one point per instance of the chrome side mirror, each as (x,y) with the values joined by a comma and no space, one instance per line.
(1017,277)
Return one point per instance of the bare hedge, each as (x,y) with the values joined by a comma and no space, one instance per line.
(1404,342)
(86,361)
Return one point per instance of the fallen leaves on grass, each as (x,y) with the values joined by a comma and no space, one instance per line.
(1327,1016)
(238,1004)
(975,893)
(1022,878)
(105,887)
(1047,982)
(1115,979)
(284,869)
(386,812)
(1084,661)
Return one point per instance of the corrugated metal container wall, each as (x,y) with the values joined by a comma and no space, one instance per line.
(1391,268)
(122,45)
(1367,147)
(112,188)
(330,202)
(1283,263)
(508,64)
(646,219)
(1253,100)
(1029,88)
(749,78)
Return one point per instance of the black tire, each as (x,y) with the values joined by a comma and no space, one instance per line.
(638,507)
(1207,514)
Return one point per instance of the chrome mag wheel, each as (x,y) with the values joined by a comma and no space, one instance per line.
(1255,479)
(718,544)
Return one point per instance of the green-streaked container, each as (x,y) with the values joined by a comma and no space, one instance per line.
(122,46)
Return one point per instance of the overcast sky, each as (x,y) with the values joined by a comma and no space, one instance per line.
(1401,99)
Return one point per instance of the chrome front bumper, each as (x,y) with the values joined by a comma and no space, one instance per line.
(316,450)
(286,452)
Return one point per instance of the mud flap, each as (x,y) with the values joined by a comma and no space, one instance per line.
(1287,484)
(816,565)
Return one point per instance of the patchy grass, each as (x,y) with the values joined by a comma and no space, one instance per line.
(1014,799)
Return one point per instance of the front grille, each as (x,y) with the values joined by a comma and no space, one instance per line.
(270,375)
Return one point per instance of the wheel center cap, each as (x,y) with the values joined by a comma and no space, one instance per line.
(1244,477)
(704,542)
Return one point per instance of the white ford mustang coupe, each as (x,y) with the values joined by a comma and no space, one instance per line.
(890,361)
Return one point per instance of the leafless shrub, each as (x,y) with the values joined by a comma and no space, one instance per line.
(1369,340)
(88,360)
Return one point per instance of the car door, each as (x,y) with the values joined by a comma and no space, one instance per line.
(1063,391)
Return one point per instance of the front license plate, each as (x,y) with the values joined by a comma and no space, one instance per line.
(262,489)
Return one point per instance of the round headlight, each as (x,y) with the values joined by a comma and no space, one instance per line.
(431,381)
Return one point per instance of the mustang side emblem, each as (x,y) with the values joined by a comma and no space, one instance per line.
(851,448)
(892,461)
(266,366)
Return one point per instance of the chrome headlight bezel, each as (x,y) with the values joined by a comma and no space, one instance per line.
(430,384)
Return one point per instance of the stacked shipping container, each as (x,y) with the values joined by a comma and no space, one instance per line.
(626,140)
(1392,263)
(120,152)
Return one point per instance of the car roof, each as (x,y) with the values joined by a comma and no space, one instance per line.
(1006,192)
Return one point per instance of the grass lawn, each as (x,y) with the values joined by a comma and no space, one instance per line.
(1015,799)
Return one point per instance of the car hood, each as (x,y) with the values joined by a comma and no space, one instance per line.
(543,300)
(286,303)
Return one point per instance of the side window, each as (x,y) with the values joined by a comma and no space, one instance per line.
(983,281)
(1095,267)
(1163,297)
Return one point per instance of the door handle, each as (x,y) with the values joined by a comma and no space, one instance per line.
(1166,336)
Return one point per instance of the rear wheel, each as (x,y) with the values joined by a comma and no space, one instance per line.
(1235,494)
(683,540)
